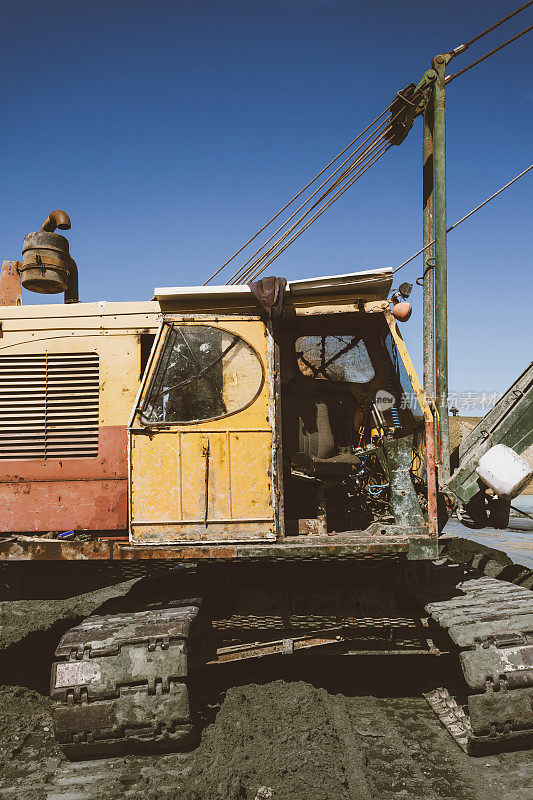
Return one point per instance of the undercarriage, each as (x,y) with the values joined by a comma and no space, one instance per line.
(126,678)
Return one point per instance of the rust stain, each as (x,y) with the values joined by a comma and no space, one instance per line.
(26,548)
(63,494)
(10,286)
(111,462)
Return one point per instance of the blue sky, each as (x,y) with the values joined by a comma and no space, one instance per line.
(171,131)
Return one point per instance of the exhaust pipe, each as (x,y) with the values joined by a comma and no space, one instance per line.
(57,219)
(71,292)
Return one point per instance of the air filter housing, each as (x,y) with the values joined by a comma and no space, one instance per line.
(45,263)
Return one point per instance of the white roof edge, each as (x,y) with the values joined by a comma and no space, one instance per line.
(373,281)
(172,292)
(349,276)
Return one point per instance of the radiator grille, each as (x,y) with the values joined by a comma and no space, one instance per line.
(49,405)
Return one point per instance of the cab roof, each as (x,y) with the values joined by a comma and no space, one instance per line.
(374,283)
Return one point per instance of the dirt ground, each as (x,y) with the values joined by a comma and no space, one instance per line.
(319,728)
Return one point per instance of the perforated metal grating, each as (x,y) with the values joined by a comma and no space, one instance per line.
(49,405)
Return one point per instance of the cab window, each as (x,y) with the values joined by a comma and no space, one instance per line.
(203,373)
(334,358)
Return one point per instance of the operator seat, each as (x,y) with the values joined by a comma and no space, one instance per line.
(318,428)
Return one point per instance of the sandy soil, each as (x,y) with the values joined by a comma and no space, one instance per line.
(320,728)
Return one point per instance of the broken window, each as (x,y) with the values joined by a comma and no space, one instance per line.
(203,373)
(334,358)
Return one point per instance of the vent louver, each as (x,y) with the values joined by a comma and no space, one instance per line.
(49,406)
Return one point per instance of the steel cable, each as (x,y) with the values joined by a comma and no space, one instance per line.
(259,256)
(257,262)
(459,221)
(458,50)
(385,147)
(241,272)
(233,278)
(524,513)
(450,78)
(370,279)
(254,264)
(296,196)
(245,272)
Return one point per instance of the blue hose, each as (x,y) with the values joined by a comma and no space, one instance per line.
(378,486)
(393,410)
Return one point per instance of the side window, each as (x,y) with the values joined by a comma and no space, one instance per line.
(203,373)
(146,342)
(334,358)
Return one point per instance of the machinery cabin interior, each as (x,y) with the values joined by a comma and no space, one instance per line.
(341,394)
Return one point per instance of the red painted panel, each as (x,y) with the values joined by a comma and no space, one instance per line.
(63,505)
(70,493)
(111,462)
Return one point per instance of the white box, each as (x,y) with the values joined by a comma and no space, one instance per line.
(504,471)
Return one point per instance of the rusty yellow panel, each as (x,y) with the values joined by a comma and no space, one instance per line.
(118,356)
(193,476)
(109,329)
(210,480)
(76,318)
(218,477)
(194,532)
(205,486)
(250,459)
(324,304)
(156,481)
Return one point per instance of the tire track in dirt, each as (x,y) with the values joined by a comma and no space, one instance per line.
(104,779)
(360,784)
(386,757)
(403,756)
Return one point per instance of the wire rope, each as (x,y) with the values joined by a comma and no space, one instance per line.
(456,224)
(272,251)
(450,78)
(242,269)
(524,513)
(265,255)
(333,160)
(244,272)
(386,146)
(287,233)
(462,47)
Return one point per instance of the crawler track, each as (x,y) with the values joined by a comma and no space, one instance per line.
(490,622)
(120,682)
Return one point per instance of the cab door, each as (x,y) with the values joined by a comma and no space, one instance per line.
(201,439)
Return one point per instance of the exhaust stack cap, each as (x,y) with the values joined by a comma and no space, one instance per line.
(57,219)
(46,260)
